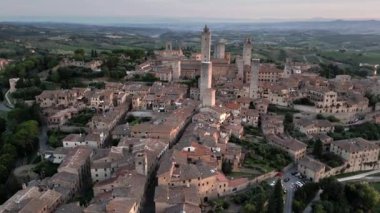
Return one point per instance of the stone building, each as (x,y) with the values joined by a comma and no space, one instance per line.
(359,153)
(220,49)
(312,169)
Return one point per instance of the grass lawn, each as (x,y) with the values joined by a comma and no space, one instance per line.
(260,165)
(356,58)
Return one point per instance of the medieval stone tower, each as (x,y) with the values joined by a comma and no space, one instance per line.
(220,49)
(169,46)
(141,163)
(206,77)
(254,81)
(176,66)
(247,52)
(206,44)
(288,68)
(207,94)
(240,68)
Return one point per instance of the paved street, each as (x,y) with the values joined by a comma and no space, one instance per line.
(359,176)
(289,187)
(4,107)
(43,140)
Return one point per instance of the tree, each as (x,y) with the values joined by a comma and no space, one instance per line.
(339,129)
(320,117)
(276,201)
(8,160)
(252,105)
(226,167)
(10,149)
(46,168)
(25,136)
(332,189)
(53,141)
(318,148)
(288,118)
(3,125)
(332,118)
(362,196)
(282,55)
(304,195)
(3,173)
(288,122)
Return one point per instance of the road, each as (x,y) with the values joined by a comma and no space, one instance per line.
(4,107)
(359,176)
(290,189)
(8,100)
(43,140)
(289,200)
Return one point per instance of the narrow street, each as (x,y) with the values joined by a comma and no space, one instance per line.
(289,187)
(43,140)
(289,200)
(149,205)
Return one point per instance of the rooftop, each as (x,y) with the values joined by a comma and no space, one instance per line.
(355,145)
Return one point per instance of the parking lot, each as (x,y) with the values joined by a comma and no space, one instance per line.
(291,180)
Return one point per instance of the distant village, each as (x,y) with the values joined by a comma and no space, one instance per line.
(185,127)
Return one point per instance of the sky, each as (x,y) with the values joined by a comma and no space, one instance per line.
(192,9)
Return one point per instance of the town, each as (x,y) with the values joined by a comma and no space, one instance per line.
(204,130)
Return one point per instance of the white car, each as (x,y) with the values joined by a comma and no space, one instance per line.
(299,184)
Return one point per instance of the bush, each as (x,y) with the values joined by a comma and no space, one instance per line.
(82,118)
(46,168)
(368,131)
(333,119)
(320,117)
(262,154)
(226,167)
(28,93)
(331,159)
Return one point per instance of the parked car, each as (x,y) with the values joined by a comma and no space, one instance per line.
(286,179)
(299,184)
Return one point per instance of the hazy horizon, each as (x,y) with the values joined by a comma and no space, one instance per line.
(181,10)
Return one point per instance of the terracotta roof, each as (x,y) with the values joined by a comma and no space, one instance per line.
(312,164)
(355,145)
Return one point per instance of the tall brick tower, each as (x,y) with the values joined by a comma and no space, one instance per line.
(254,81)
(206,44)
(247,52)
